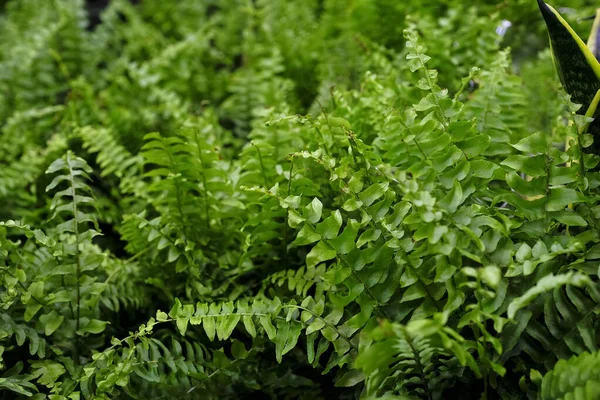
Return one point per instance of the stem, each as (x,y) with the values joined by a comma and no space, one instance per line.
(327,122)
(262,166)
(486,108)
(203,179)
(172,168)
(322,138)
(581,165)
(419,365)
(77,258)
(285,226)
(477,333)
(420,149)
(435,97)
(462,87)
(547,196)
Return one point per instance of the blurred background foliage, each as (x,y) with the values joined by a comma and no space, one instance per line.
(209,52)
(222,53)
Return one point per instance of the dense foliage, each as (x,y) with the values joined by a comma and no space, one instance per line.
(293,199)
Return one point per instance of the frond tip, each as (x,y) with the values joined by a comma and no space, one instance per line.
(76,197)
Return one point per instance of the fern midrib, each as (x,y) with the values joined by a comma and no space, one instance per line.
(418,363)
(262,166)
(177,188)
(77,257)
(203,173)
(435,97)
(486,107)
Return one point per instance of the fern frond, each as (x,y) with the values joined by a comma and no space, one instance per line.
(16,382)
(563,319)
(20,332)
(301,281)
(577,377)
(498,105)
(77,258)
(75,198)
(124,286)
(175,187)
(418,360)
(114,159)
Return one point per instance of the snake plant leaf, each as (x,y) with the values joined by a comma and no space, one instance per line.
(578,69)
(593,42)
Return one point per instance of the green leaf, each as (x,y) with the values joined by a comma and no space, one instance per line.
(150,375)
(533,166)
(249,325)
(414,292)
(238,350)
(31,310)
(294,219)
(373,192)
(491,275)
(51,322)
(208,317)
(367,236)
(561,197)
(475,145)
(47,371)
(593,42)
(345,242)
(93,326)
(267,325)
(175,309)
(313,211)
(227,322)
(183,317)
(352,204)
(18,386)
(307,235)
(449,156)
(575,378)
(321,252)
(350,378)
(534,187)
(536,143)
(36,289)
(330,227)
(286,337)
(483,168)
(593,253)
(161,316)
(453,199)
(569,218)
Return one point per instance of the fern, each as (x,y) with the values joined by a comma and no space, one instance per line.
(114,159)
(577,376)
(499,91)
(333,199)
(417,360)
(124,288)
(568,318)
(76,235)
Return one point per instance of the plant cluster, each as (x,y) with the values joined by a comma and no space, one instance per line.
(293,199)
